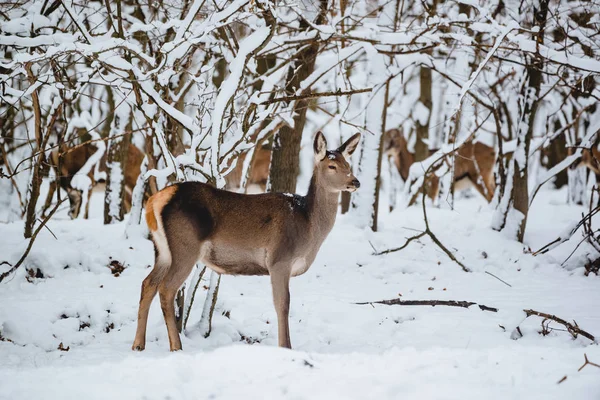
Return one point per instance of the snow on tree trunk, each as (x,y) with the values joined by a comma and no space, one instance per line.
(577,186)
(285,160)
(396,184)
(511,215)
(116,162)
(364,201)
(423,114)
(204,326)
(193,284)
(137,198)
(35,180)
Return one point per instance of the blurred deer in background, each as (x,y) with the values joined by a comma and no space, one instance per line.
(473,165)
(276,234)
(590,158)
(71,161)
(259,172)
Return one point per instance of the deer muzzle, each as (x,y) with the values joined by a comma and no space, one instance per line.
(353,185)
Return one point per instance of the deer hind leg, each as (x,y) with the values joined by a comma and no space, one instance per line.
(184,260)
(280,282)
(88,197)
(484,184)
(149,289)
(483,189)
(75,202)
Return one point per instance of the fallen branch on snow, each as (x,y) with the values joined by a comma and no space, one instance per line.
(587,362)
(573,328)
(567,233)
(433,303)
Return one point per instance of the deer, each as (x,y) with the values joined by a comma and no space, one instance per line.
(473,164)
(590,159)
(72,159)
(275,234)
(259,172)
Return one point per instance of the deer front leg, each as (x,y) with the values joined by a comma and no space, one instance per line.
(280,282)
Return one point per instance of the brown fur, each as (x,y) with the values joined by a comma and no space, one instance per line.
(238,234)
(71,162)
(157,202)
(474,162)
(590,158)
(259,170)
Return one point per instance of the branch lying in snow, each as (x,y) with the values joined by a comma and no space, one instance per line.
(567,233)
(410,239)
(433,303)
(587,362)
(573,328)
(313,95)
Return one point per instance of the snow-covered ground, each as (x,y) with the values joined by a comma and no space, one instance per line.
(341,349)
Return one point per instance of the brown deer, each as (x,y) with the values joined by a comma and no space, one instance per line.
(590,158)
(259,172)
(474,164)
(73,159)
(272,234)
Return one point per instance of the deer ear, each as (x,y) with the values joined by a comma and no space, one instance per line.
(320,146)
(349,146)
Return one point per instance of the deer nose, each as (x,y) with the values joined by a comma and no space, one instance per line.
(356,183)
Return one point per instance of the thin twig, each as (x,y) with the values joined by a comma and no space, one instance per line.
(313,95)
(31,241)
(563,238)
(587,362)
(433,303)
(48,229)
(506,283)
(573,328)
(410,239)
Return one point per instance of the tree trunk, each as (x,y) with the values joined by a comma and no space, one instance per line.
(423,114)
(36,170)
(285,160)
(365,200)
(514,206)
(555,153)
(577,186)
(380,156)
(116,162)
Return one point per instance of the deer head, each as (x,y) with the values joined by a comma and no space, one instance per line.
(331,166)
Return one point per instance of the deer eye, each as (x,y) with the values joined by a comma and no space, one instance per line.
(332,167)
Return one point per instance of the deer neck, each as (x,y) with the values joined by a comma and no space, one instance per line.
(322,207)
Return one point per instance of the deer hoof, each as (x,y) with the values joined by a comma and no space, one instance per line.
(138,347)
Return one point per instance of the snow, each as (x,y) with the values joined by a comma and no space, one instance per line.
(368,167)
(341,350)
(68,315)
(228,89)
